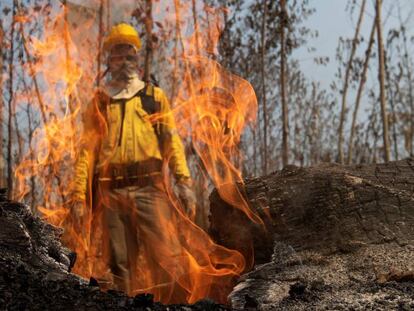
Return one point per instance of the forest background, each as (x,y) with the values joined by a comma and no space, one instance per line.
(333,78)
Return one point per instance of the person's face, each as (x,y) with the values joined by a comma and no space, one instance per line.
(123,60)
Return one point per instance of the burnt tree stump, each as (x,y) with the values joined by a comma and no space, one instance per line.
(334,237)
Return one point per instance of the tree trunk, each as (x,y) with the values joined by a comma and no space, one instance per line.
(362,81)
(100,37)
(10,105)
(196,30)
(72,99)
(407,64)
(2,160)
(263,80)
(19,140)
(32,158)
(285,116)
(381,82)
(346,84)
(179,40)
(108,15)
(392,98)
(327,208)
(149,44)
(175,49)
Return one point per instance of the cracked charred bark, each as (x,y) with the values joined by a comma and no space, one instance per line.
(327,207)
(334,235)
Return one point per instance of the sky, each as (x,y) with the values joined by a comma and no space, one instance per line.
(332,19)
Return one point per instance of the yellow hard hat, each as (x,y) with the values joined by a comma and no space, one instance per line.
(122,34)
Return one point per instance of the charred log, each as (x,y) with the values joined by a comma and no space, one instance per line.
(334,237)
(327,208)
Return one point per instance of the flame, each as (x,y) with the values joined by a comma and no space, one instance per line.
(211,107)
(218,108)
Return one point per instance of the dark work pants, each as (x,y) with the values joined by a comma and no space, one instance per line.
(138,221)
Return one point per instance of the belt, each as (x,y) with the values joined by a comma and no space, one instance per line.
(140,174)
(136,181)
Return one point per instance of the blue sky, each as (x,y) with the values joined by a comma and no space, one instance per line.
(332,20)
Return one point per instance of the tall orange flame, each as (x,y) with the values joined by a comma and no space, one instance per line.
(211,106)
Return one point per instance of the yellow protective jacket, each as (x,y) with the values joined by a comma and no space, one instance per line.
(123,132)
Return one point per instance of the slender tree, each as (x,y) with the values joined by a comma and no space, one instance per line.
(381,77)
(19,139)
(2,160)
(392,98)
(100,38)
(177,41)
(346,84)
(263,82)
(362,81)
(10,104)
(31,127)
(196,27)
(108,15)
(72,99)
(409,76)
(149,42)
(285,117)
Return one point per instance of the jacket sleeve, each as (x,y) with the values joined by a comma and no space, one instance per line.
(84,164)
(172,146)
(80,182)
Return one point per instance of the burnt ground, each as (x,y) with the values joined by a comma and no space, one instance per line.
(35,271)
(372,278)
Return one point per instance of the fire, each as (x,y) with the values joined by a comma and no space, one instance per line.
(211,108)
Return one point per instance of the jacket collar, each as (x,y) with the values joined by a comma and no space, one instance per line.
(123,89)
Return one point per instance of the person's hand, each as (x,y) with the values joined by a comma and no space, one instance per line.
(78,211)
(187,197)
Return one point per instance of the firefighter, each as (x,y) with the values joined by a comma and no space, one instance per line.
(129,132)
